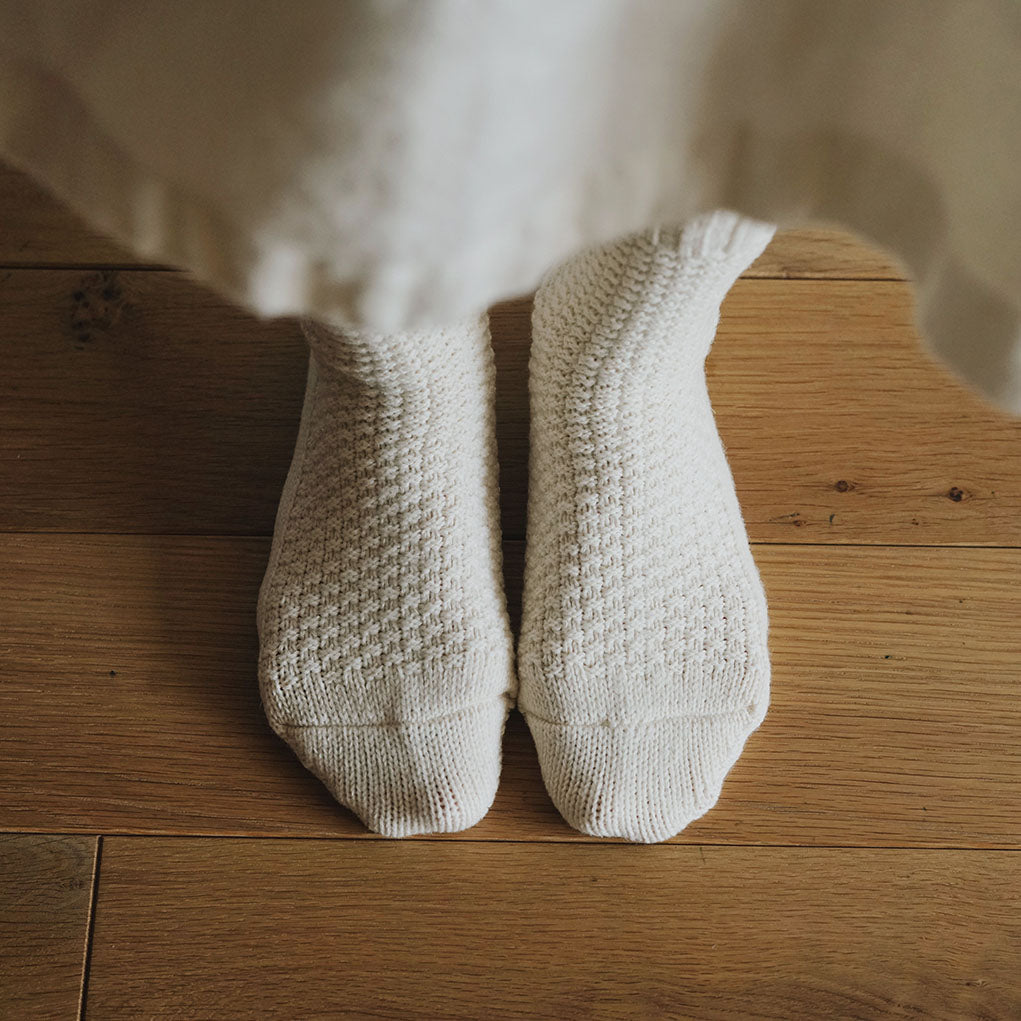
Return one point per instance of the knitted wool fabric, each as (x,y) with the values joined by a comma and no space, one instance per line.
(643,656)
(386,656)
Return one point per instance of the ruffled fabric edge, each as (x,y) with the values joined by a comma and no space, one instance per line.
(972,329)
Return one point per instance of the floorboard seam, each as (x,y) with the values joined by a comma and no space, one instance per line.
(149,267)
(263,536)
(90,932)
(572,842)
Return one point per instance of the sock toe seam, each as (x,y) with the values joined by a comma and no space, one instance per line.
(389,724)
(624,725)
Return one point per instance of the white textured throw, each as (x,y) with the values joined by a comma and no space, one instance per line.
(643,656)
(401,163)
(386,657)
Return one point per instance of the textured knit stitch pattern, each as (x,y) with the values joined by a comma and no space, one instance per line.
(643,655)
(386,657)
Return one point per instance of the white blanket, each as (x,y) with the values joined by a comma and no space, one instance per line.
(398,163)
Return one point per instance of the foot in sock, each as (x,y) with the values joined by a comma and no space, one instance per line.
(643,656)
(386,658)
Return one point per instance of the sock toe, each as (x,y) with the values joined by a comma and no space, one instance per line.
(429,776)
(644,782)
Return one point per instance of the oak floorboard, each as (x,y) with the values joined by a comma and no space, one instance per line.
(45,903)
(234,928)
(139,402)
(130,703)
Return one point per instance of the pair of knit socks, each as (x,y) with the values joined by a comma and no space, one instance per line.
(387,660)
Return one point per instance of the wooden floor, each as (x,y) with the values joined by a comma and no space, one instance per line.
(164,855)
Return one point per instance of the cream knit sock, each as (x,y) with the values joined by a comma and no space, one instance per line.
(643,657)
(386,656)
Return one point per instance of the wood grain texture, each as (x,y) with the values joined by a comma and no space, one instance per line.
(839,428)
(45,901)
(130,702)
(432,930)
(40,230)
(138,402)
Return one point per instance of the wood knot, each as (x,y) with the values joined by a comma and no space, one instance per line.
(98,304)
